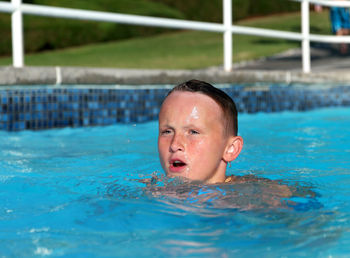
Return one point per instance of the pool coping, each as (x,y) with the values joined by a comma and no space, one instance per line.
(32,75)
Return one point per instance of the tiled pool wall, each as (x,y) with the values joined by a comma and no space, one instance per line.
(44,107)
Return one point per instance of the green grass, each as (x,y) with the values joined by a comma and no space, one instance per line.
(179,50)
(45,33)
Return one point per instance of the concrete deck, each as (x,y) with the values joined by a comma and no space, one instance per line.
(327,67)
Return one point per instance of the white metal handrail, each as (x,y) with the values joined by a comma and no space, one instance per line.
(329,3)
(17,9)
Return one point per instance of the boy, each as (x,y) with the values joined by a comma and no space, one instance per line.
(197,139)
(198,132)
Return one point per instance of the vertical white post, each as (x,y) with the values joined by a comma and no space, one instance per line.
(305,28)
(17,35)
(227,17)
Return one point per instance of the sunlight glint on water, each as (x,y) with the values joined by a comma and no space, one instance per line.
(77,192)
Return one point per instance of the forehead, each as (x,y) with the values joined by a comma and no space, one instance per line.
(182,102)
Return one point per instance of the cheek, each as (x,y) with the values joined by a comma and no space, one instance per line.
(197,147)
(205,149)
(163,146)
(161,154)
(160,145)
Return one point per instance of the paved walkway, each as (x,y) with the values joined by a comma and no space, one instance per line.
(324,58)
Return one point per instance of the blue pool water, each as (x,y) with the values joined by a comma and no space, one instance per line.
(77,193)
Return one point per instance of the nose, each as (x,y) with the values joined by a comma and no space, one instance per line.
(177,143)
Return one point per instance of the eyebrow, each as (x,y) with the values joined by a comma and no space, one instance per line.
(185,127)
(165,125)
(190,126)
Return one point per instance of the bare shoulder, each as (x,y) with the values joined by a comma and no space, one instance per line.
(245,179)
(268,186)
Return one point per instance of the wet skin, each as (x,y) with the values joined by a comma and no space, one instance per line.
(192,142)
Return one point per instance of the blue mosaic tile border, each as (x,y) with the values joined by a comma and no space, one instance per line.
(47,107)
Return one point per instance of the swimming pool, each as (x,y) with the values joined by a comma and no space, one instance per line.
(77,192)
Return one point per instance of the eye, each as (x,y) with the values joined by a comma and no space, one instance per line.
(193,131)
(165,132)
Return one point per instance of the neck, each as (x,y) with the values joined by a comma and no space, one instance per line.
(219,176)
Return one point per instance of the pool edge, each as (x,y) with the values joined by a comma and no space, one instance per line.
(32,75)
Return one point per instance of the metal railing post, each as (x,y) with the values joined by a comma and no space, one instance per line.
(17,9)
(17,35)
(227,18)
(305,30)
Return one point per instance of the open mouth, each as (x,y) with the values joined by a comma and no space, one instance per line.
(177,165)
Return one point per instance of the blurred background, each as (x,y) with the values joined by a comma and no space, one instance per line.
(65,42)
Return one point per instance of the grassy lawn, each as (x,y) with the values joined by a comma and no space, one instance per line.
(180,49)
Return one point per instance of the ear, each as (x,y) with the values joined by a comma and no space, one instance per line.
(233,148)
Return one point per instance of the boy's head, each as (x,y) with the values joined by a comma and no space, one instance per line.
(198,132)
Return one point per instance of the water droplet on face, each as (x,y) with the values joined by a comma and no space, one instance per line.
(194,113)
(193,116)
